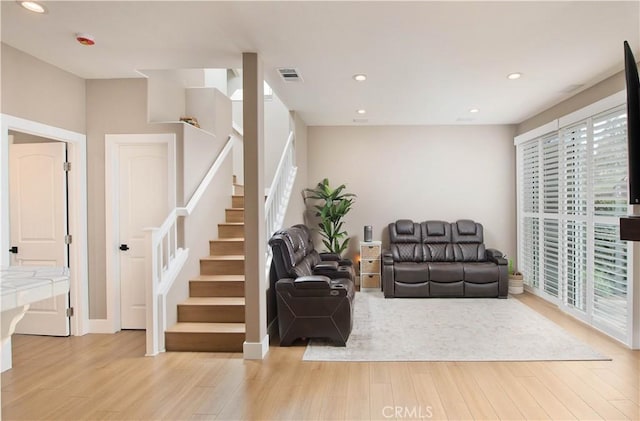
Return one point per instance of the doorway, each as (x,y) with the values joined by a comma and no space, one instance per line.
(77,208)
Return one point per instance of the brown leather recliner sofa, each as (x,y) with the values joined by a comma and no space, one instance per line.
(314,291)
(441,259)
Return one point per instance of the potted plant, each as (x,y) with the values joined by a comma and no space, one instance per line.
(333,206)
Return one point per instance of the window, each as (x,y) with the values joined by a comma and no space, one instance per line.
(572,187)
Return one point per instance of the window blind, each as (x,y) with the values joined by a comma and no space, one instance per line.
(610,278)
(573,189)
(610,163)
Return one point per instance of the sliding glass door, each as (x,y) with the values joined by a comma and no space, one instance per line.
(572,187)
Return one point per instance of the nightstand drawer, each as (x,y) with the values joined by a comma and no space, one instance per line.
(370,281)
(370,266)
(370,252)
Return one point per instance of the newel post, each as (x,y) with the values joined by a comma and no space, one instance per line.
(151,265)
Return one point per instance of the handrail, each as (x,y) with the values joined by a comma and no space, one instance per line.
(279,169)
(204,184)
(164,259)
(237,129)
(279,193)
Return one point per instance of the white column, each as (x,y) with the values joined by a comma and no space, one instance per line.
(256,343)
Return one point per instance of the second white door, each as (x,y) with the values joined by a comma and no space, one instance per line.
(143,202)
(37,200)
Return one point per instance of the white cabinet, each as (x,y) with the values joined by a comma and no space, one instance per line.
(370,265)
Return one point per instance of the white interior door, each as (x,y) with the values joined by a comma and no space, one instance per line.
(143,202)
(38,218)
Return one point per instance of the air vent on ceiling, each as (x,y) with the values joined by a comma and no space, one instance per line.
(360,120)
(289,74)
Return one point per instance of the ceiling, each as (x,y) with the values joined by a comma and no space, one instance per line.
(427,62)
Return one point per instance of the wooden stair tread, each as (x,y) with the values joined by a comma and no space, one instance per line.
(213,301)
(219,278)
(232,223)
(226,257)
(195,327)
(232,239)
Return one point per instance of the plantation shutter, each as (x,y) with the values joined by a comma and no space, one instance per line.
(609,174)
(530,179)
(610,279)
(572,190)
(610,163)
(551,189)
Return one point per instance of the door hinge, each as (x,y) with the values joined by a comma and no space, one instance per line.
(70,312)
(67,166)
(68,239)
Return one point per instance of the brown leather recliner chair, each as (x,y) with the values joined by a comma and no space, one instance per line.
(314,296)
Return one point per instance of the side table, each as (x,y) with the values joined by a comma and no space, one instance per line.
(370,252)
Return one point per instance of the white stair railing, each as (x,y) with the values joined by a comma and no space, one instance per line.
(165,258)
(277,201)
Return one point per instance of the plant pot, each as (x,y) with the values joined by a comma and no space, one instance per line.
(516,284)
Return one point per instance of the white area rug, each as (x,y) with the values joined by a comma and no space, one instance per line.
(437,329)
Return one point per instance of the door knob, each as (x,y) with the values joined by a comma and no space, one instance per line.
(14,250)
(124,247)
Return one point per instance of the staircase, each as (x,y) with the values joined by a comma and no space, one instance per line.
(212,318)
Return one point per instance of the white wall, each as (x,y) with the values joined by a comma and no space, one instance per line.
(276,133)
(200,150)
(420,173)
(276,129)
(166,96)
(216,78)
(211,107)
(603,89)
(37,91)
(113,106)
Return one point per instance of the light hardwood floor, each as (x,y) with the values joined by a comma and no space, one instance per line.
(107,377)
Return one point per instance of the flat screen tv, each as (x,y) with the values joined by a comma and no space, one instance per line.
(633,123)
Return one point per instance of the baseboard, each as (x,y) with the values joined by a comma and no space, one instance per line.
(256,350)
(101,326)
(272,328)
(6,355)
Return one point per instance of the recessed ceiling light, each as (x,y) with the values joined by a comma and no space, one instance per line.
(32,6)
(360,77)
(361,111)
(474,110)
(514,76)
